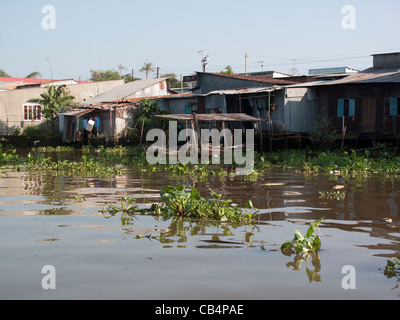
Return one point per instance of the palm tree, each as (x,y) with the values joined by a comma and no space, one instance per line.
(53,101)
(147,67)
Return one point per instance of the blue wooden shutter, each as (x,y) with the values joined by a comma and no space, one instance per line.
(393,106)
(352,107)
(188,109)
(340,108)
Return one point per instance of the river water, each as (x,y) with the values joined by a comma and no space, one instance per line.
(55,220)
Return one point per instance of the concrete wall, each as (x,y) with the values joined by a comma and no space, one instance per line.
(390,60)
(11,102)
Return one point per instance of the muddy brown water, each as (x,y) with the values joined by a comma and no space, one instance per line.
(52,220)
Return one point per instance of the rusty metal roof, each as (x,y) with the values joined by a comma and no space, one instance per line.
(371,75)
(208,117)
(278,81)
(245,91)
(77,113)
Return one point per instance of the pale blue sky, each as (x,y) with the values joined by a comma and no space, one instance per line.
(103,34)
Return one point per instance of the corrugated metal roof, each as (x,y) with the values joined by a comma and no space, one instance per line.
(123,91)
(280,81)
(244,91)
(228,117)
(133,101)
(372,75)
(77,113)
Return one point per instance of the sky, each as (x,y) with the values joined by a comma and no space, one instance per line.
(174,35)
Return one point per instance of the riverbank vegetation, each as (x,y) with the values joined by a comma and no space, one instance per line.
(380,160)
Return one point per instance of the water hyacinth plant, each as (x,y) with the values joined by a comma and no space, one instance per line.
(188,203)
(304,244)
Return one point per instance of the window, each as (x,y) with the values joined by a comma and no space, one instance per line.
(394,106)
(32,112)
(346,108)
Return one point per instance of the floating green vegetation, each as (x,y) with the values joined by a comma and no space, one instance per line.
(183,202)
(9,157)
(188,203)
(333,194)
(392,269)
(128,209)
(304,244)
(304,248)
(379,160)
(55,149)
(198,170)
(88,165)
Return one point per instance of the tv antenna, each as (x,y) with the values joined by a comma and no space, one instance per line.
(262,65)
(204,60)
(294,71)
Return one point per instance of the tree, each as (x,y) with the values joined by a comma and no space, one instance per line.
(53,101)
(173,81)
(34,74)
(148,107)
(4,74)
(121,68)
(128,78)
(101,75)
(147,67)
(228,70)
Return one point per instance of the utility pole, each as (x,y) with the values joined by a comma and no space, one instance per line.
(245,63)
(51,73)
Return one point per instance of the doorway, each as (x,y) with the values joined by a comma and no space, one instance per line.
(368,115)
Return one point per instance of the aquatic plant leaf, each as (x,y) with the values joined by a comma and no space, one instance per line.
(317,243)
(311,230)
(313,226)
(286,245)
(298,235)
(249,204)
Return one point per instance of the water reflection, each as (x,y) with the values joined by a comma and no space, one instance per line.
(354,224)
(280,196)
(299,258)
(214,235)
(204,234)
